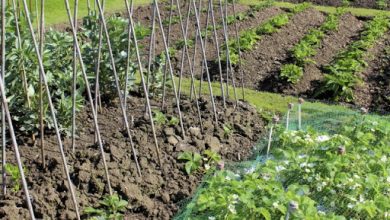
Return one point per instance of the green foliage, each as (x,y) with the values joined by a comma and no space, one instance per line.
(307,171)
(342,75)
(291,72)
(301,7)
(156,76)
(231,19)
(193,161)
(174,121)
(159,118)
(382,4)
(227,130)
(307,48)
(181,43)
(174,20)
(111,208)
(273,24)
(212,157)
(260,6)
(16,176)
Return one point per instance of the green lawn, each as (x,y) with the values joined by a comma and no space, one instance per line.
(55,9)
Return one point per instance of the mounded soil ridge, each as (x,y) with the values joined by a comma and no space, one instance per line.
(158,193)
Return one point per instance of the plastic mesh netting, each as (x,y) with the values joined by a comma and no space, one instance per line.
(337,166)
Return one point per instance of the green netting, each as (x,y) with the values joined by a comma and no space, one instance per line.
(336,167)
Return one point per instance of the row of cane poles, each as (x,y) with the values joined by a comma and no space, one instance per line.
(156,15)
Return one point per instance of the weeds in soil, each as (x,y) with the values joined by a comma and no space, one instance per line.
(159,118)
(111,208)
(13,171)
(227,130)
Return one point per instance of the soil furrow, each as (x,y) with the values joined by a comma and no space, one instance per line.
(264,61)
(374,93)
(331,45)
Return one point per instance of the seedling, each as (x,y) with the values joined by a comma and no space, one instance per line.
(173,121)
(13,171)
(193,161)
(112,207)
(227,130)
(159,118)
(212,157)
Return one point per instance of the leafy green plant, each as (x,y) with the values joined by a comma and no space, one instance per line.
(342,75)
(174,121)
(193,161)
(159,118)
(156,77)
(13,171)
(212,157)
(227,130)
(307,177)
(382,4)
(291,72)
(111,208)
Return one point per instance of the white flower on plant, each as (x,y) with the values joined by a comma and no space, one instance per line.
(332,204)
(275,204)
(304,164)
(266,176)
(207,166)
(307,170)
(228,178)
(250,170)
(232,209)
(321,213)
(279,168)
(212,218)
(350,205)
(384,159)
(235,198)
(301,156)
(322,138)
(361,198)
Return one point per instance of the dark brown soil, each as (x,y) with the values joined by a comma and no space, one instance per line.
(158,193)
(262,64)
(374,93)
(338,3)
(258,18)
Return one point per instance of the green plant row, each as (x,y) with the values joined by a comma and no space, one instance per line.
(309,175)
(250,37)
(307,48)
(231,19)
(342,74)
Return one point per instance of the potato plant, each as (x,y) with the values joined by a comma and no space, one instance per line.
(307,48)
(248,38)
(342,74)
